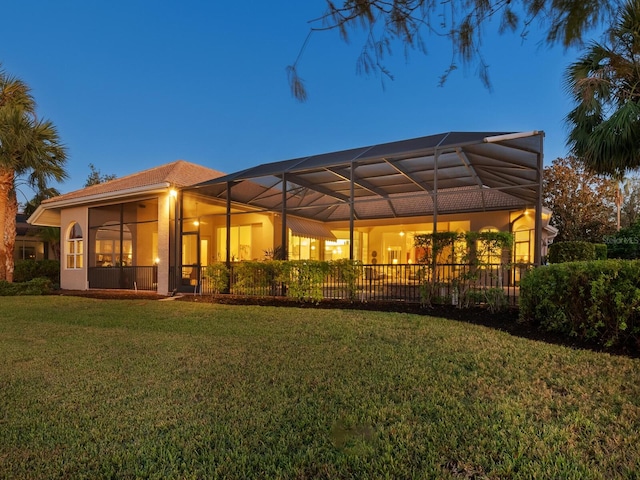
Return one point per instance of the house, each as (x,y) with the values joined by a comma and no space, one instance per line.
(158,228)
(29,244)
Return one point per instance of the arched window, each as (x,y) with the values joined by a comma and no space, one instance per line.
(524,233)
(74,246)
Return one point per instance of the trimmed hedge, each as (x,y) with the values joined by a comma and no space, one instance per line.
(26,270)
(601,251)
(37,286)
(571,252)
(596,301)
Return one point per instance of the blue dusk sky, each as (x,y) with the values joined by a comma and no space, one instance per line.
(138,83)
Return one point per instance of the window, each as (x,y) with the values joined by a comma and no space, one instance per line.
(74,246)
(123,234)
(108,241)
(489,252)
(335,250)
(303,248)
(241,241)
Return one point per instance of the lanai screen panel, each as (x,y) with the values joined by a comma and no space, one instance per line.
(455,172)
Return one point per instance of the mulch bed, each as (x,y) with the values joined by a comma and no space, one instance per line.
(505,321)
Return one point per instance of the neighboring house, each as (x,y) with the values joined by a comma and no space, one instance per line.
(29,246)
(157,229)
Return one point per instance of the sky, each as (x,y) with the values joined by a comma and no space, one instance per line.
(134,84)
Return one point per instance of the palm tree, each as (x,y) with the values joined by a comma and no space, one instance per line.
(30,149)
(605,84)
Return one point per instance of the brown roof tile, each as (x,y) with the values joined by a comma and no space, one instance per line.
(179,174)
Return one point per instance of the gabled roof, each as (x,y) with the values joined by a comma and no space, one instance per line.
(178,174)
(464,171)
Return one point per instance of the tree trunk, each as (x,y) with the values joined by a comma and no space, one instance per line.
(8,211)
(10,239)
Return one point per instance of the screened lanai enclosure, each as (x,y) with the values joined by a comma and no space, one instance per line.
(374,208)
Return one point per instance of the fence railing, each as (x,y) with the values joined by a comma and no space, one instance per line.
(125,278)
(446,284)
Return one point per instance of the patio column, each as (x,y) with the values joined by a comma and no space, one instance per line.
(537,252)
(435,191)
(177,233)
(228,239)
(351,211)
(285,240)
(166,241)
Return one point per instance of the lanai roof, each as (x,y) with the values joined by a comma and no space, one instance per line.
(464,171)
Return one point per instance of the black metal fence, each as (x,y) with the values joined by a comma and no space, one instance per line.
(453,284)
(125,278)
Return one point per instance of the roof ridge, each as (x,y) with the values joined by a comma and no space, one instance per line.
(179,173)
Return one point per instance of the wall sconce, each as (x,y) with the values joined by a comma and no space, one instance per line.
(173,192)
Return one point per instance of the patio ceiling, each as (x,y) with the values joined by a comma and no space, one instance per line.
(457,171)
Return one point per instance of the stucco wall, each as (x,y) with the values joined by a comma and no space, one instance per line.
(74,279)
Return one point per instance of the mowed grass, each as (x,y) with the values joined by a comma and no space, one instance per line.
(146,389)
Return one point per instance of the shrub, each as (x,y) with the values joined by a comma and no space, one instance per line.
(257,278)
(485,253)
(26,270)
(625,243)
(36,286)
(347,272)
(597,300)
(218,277)
(601,251)
(571,252)
(304,279)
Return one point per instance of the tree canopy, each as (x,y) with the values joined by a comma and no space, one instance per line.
(96,177)
(30,152)
(409,23)
(582,202)
(605,85)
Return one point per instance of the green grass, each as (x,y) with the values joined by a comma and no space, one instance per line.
(145,389)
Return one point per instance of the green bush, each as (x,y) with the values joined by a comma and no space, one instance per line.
(257,278)
(304,279)
(218,277)
(597,300)
(485,253)
(601,251)
(571,252)
(36,286)
(625,243)
(347,272)
(26,270)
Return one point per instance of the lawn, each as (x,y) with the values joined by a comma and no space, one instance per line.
(145,389)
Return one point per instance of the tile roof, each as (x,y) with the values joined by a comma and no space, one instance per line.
(179,174)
